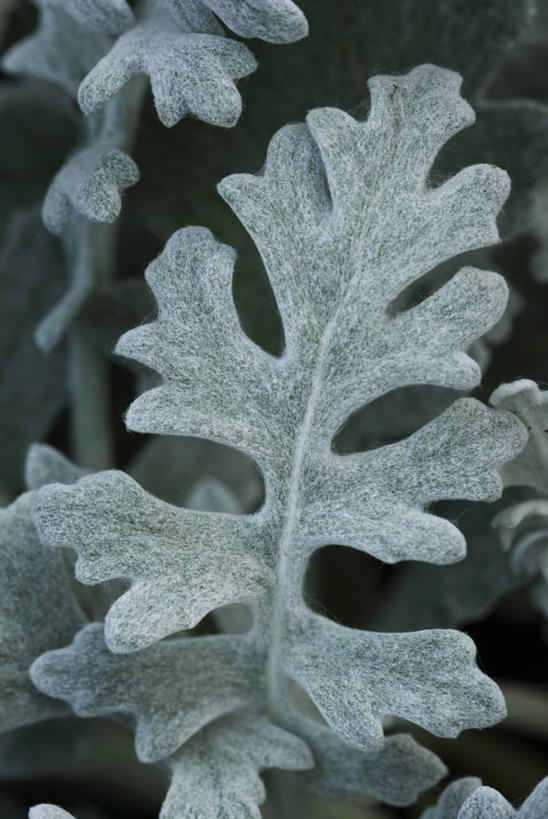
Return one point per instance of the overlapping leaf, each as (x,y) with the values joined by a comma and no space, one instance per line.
(192,68)
(469,799)
(190,72)
(329,67)
(29,255)
(38,609)
(523,527)
(345,220)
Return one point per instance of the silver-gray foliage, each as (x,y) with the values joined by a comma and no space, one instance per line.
(523,527)
(469,799)
(344,219)
(93,50)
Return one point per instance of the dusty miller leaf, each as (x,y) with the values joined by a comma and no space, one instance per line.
(524,399)
(110,16)
(49,812)
(92,179)
(217,772)
(523,527)
(59,51)
(189,72)
(468,799)
(37,612)
(344,220)
(278,21)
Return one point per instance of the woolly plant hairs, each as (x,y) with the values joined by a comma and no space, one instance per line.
(468,799)
(344,219)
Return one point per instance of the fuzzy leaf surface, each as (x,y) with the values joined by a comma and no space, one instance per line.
(277,21)
(49,812)
(59,50)
(190,72)
(345,219)
(523,527)
(37,612)
(469,799)
(111,16)
(524,399)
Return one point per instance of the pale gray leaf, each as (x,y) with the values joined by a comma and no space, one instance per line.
(345,220)
(91,181)
(44,465)
(396,775)
(182,563)
(59,50)
(452,799)
(217,772)
(524,399)
(207,677)
(49,812)
(468,799)
(111,16)
(189,72)
(37,612)
(277,21)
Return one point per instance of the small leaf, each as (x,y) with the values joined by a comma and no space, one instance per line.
(189,72)
(277,21)
(468,799)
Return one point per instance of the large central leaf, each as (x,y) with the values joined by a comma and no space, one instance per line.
(345,220)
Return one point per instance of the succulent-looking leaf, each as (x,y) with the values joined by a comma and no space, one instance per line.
(468,799)
(344,220)
(189,72)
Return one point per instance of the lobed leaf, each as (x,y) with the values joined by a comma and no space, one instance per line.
(277,21)
(189,72)
(468,799)
(345,220)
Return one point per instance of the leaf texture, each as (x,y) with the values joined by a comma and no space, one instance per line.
(278,21)
(110,16)
(345,219)
(524,399)
(523,527)
(92,179)
(469,799)
(49,812)
(189,72)
(192,68)
(37,612)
